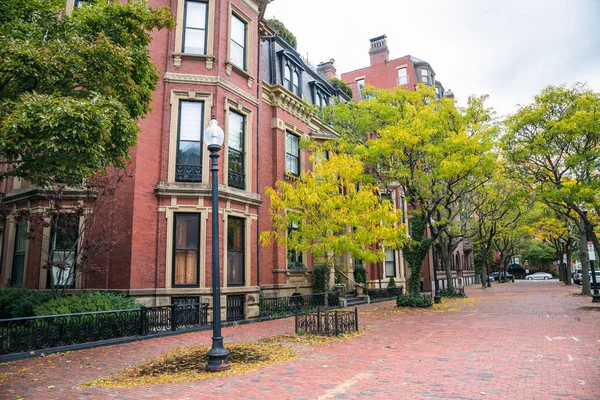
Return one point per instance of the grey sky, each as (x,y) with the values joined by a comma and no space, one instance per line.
(508,49)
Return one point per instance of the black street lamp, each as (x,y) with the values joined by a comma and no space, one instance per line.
(436,299)
(487,271)
(591,258)
(217,355)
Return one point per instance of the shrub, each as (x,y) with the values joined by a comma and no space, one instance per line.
(451,293)
(318,284)
(20,302)
(392,283)
(360,274)
(87,302)
(284,32)
(413,301)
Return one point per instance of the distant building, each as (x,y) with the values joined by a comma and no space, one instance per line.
(383,73)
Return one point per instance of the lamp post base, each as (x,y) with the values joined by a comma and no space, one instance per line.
(596,298)
(437,299)
(217,356)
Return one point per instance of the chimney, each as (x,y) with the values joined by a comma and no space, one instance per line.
(327,69)
(379,52)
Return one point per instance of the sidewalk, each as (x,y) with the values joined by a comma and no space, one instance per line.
(522,340)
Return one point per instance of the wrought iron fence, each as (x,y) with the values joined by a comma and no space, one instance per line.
(236,304)
(331,323)
(297,303)
(383,293)
(35,333)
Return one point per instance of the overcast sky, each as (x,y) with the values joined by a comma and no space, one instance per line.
(509,49)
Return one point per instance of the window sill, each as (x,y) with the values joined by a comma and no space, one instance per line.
(177,57)
(229,67)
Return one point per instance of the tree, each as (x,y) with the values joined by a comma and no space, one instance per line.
(332,216)
(284,32)
(341,85)
(435,152)
(539,254)
(553,146)
(73,87)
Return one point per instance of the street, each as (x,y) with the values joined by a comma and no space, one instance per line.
(521,340)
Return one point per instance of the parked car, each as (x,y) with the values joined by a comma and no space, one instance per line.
(578,279)
(497,276)
(538,276)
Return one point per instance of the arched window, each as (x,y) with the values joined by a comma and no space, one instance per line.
(287,79)
(296,83)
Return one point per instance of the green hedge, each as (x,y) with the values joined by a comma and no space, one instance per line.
(451,293)
(360,274)
(87,302)
(413,301)
(318,284)
(20,302)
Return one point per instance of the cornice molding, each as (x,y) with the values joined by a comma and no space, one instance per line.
(278,96)
(176,189)
(171,77)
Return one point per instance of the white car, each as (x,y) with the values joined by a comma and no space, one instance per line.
(539,275)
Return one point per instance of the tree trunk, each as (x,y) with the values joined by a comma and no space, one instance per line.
(445,250)
(583,256)
(569,279)
(483,266)
(416,252)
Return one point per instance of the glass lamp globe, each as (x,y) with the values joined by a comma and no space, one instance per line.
(213,135)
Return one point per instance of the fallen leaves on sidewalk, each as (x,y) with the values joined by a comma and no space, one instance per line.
(187,364)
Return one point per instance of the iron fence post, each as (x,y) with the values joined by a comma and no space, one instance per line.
(296,323)
(356,319)
(143,321)
(318,321)
(335,321)
(173,317)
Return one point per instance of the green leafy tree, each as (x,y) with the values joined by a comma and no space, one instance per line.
(341,85)
(73,87)
(284,32)
(539,254)
(435,152)
(553,146)
(332,215)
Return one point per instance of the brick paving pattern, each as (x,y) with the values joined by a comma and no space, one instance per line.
(522,340)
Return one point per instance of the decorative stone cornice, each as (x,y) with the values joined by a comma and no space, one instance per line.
(278,96)
(209,80)
(178,189)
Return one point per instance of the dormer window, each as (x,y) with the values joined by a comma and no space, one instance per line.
(296,83)
(320,94)
(291,71)
(424,75)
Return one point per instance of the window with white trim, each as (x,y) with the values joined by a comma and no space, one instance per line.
(194,30)
(390,263)
(402,76)
(238,42)
(235,138)
(186,245)
(360,86)
(292,154)
(424,75)
(63,251)
(235,251)
(189,142)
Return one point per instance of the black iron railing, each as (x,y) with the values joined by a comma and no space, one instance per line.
(331,323)
(236,180)
(188,173)
(383,293)
(298,303)
(236,304)
(35,333)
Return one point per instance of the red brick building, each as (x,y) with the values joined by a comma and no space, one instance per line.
(221,60)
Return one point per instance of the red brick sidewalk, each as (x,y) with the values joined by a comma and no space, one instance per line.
(523,340)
